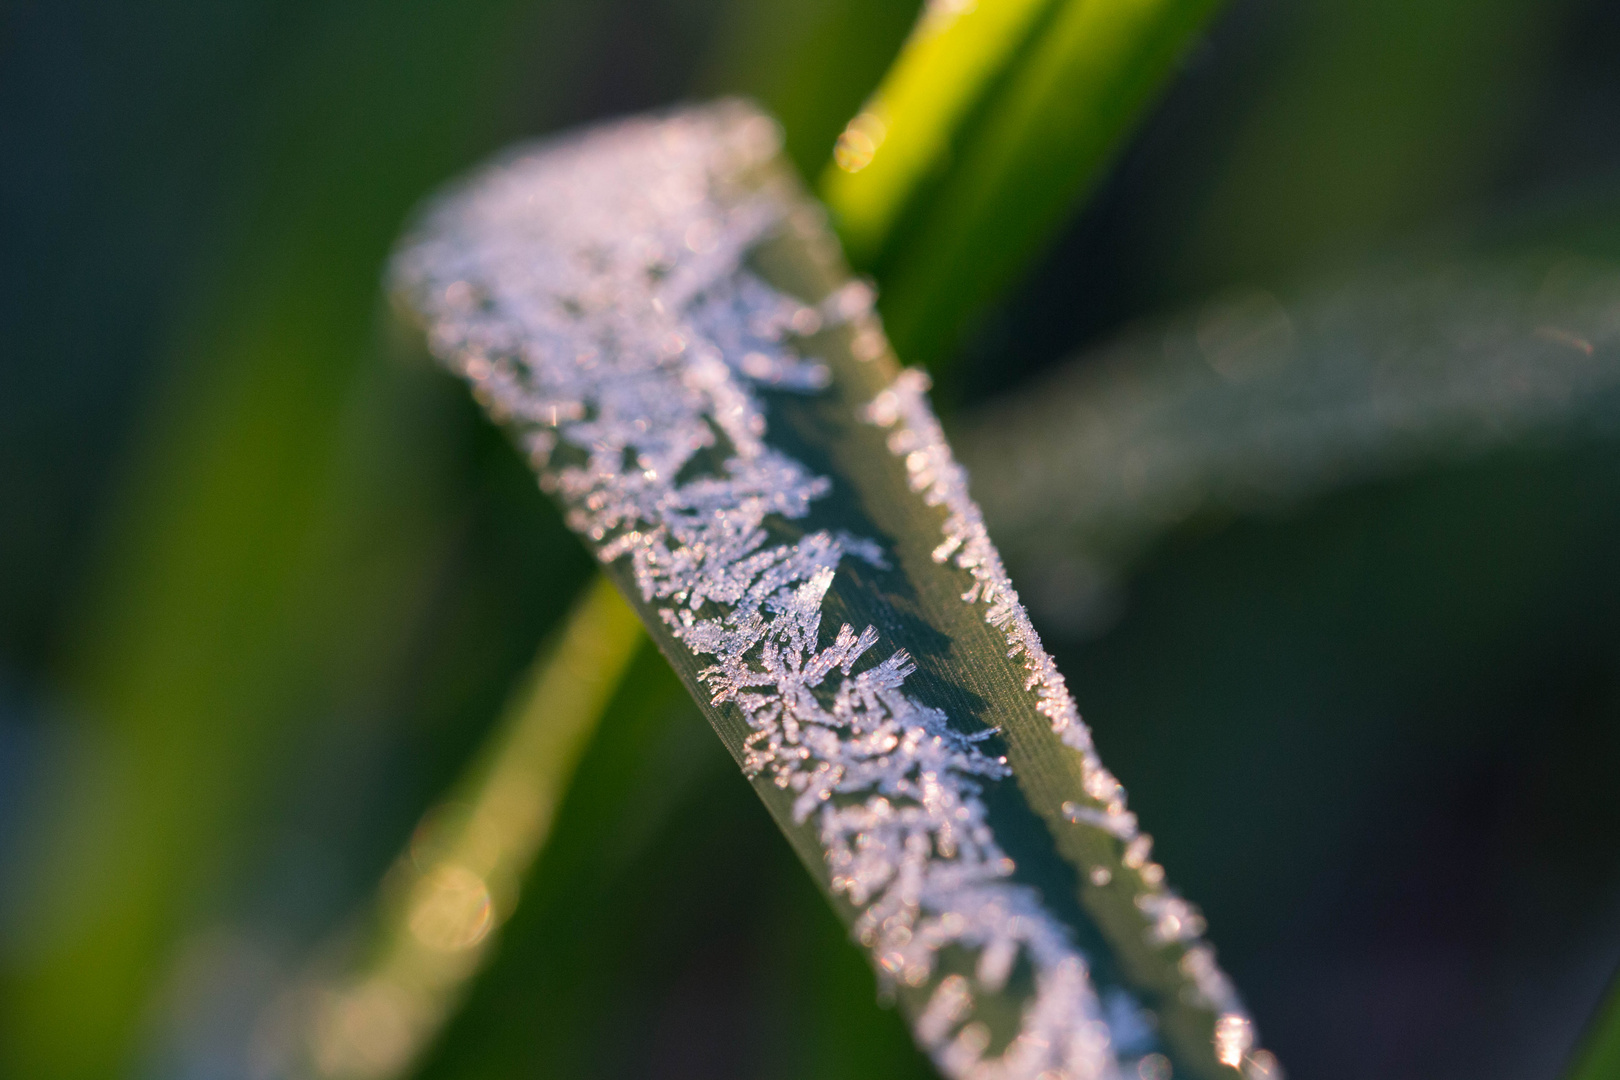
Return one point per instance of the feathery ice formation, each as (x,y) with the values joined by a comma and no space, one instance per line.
(596,293)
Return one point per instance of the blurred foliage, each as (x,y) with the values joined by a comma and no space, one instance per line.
(1356,531)
(264,581)
(1496,122)
(1600,1053)
(441,904)
(1038,138)
(905,129)
(275,561)
(1252,405)
(810,62)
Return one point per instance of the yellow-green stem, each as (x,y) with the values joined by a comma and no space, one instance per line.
(904,130)
(458,879)
(1599,1055)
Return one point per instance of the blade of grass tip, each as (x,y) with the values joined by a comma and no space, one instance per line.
(1041,140)
(904,130)
(1598,1056)
(446,896)
(633,301)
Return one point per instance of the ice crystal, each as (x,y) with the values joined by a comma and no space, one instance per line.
(596,293)
(932,470)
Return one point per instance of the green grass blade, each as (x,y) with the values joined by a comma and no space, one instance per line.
(667,326)
(903,133)
(809,62)
(1599,1054)
(1042,139)
(448,894)
(626,954)
(1379,116)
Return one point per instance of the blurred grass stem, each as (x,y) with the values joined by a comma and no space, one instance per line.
(1599,1055)
(903,132)
(458,879)
(1043,137)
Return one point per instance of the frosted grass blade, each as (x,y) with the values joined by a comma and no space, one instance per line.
(665,324)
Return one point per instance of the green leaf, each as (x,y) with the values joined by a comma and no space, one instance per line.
(1599,1055)
(662,319)
(1043,137)
(447,894)
(809,62)
(903,133)
(287,519)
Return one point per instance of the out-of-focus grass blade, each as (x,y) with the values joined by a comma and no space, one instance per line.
(1249,402)
(276,548)
(1439,451)
(1041,139)
(810,62)
(904,131)
(448,894)
(1599,1055)
(1378,116)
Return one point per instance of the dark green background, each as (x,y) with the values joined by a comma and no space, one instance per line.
(265,577)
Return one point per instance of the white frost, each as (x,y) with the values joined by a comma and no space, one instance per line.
(594,291)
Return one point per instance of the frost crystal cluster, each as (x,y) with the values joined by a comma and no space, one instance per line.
(596,293)
(932,469)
